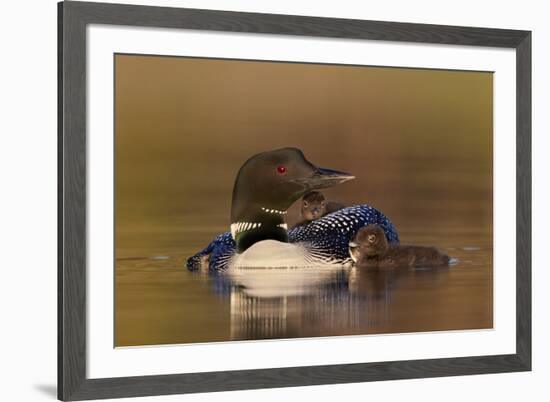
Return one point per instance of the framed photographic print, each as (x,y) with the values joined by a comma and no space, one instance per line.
(256,200)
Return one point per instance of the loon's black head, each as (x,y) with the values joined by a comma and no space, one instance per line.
(266,186)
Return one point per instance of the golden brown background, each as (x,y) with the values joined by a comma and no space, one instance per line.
(419,142)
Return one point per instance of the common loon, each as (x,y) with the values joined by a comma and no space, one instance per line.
(266,186)
(370,248)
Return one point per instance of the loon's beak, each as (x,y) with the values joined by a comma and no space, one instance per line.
(323,178)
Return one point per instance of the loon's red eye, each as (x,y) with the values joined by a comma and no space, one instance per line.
(281,169)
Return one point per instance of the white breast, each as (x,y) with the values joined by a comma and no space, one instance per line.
(269,254)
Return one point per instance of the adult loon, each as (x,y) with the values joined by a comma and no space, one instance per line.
(266,186)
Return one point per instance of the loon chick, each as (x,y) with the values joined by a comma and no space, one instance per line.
(315,206)
(370,249)
(266,186)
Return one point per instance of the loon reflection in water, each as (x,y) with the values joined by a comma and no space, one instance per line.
(266,304)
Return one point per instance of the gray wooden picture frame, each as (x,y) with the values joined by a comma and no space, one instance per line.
(73,18)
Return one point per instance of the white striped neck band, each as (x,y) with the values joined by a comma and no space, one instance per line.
(273,211)
(239,227)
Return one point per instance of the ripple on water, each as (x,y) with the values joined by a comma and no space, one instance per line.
(160,257)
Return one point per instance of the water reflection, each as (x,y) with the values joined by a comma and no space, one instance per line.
(279,303)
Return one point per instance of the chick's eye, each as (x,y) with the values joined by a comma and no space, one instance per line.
(281,169)
(305,204)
